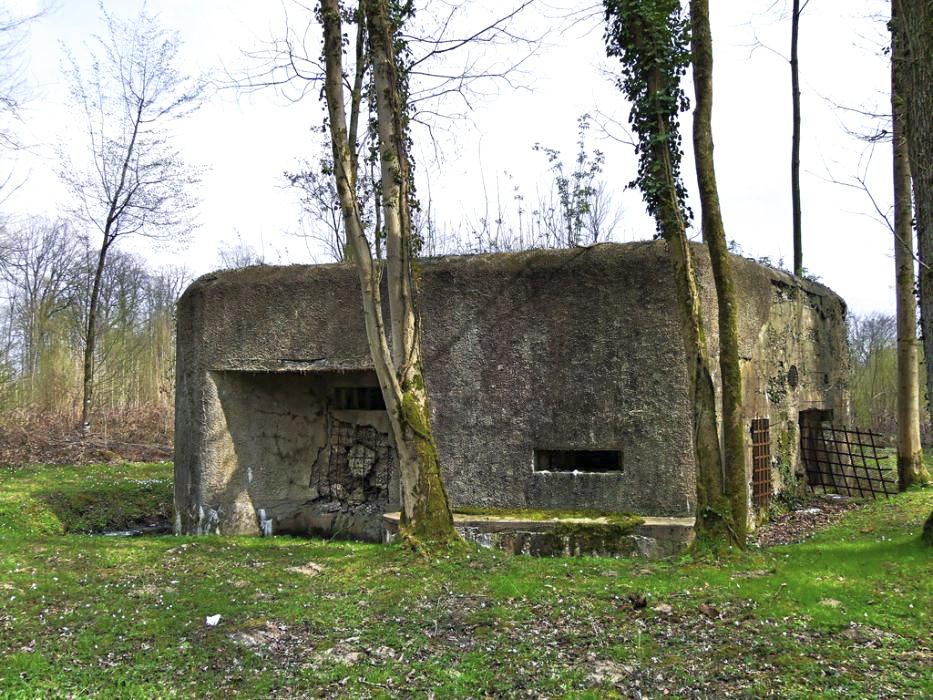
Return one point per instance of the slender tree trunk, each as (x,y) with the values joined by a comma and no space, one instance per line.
(425,511)
(90,341)
(736,476)
(910,467)
(915,26)
(795,138)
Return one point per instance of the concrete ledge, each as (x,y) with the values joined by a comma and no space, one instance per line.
(653,538)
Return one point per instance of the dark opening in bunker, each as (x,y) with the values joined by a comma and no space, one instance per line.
(598,461)
(359,398)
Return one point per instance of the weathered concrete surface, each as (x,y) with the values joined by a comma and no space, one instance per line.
(540,350)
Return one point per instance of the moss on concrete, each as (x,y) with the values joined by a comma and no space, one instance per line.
(618,520)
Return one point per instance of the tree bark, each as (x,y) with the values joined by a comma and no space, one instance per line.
(915,23)
(425,510)
(90,342)
(701,392)
(910,467)
(736,475)
(795,138)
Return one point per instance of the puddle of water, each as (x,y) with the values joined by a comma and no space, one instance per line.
(155,529)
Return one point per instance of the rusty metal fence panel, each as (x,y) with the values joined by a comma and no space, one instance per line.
(761,462)
(843,460)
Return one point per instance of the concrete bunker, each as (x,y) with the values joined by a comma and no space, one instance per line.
(557,380)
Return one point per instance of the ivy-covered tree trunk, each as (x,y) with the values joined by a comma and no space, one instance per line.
(426,514)
(701,391)
(910,467)
(736,472)
(650,39)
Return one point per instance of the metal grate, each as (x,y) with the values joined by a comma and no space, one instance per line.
(844,461)
(761,462)
(359,467)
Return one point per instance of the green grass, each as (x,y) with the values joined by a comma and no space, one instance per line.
(845,614)
(40,499)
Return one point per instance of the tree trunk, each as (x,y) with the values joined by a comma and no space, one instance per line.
(736,476)
(915,23)
(795,138)
(425,511)
(701,392)
(90,341)
(910,467)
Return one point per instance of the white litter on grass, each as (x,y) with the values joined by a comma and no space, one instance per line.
(212,620)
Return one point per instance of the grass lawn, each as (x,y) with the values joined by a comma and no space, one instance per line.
(846,613)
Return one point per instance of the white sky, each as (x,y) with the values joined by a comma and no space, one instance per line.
(248,142)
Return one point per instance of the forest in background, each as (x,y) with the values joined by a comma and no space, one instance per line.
(45,273)
(46,269)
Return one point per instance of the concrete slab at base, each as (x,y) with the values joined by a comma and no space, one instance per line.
(654,538)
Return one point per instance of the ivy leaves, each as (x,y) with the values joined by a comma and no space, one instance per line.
(651,38)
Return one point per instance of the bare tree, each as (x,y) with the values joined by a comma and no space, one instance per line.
(425,510)
(13,88)
(733,433)
(240,254)
(131,180)
(39,266)
(910,467)
(796,12)
(915,25)
(401,75)
(322,221)
(453,62)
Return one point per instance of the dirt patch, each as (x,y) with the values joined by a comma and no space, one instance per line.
(798,525)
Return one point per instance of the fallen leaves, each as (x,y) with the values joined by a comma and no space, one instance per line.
(798,525)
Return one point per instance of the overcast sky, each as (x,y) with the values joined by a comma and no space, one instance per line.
(246,142)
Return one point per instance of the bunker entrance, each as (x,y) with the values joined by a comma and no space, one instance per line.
(312,449)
